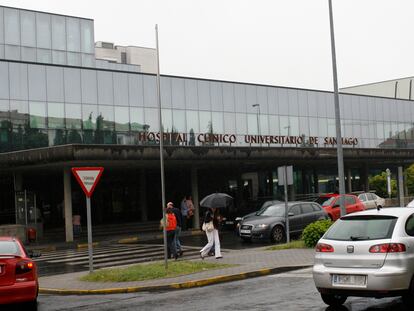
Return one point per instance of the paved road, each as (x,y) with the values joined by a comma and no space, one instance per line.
(292,291)
(65,261)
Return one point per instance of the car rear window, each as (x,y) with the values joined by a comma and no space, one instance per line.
(358,228)
(9,248)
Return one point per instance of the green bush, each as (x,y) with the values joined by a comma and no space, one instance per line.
(315,231)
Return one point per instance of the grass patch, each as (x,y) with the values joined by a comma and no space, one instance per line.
(142,272)
(292,244)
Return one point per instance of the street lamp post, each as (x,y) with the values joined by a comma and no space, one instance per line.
(258,121)
(339,150)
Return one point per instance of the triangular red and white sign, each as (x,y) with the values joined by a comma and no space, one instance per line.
(87,178)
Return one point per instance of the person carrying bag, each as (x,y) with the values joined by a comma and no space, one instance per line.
(210,227)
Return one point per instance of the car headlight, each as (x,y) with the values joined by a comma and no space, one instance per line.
(262,226)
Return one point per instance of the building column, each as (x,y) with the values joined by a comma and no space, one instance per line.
(315,181)
(194,191)
(400,177)
(143,195)
(67,202)
(365,178)
(349,180)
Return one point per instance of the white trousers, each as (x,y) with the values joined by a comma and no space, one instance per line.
(213,238)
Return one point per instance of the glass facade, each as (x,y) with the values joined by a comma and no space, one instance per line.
(43,105)
(46,38)
(62,100)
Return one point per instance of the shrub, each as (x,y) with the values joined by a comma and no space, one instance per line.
(314,231)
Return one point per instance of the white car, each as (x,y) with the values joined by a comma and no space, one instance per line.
(411,204)
(371,200)
(367,254)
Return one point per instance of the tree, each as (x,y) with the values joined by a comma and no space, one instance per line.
(379,184)
(409,179)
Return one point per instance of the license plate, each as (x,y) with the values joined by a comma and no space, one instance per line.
(245,231)
(229,223)
(349,279)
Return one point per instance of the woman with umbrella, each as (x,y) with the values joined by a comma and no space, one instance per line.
(211,221)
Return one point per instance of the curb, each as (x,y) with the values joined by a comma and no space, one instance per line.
(172,286)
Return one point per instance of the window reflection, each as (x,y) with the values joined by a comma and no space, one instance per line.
(167,120)
(58,32)
(37,114)
(89,116)
(56,115)
(4,113)
(206,125)
(43,30)
(137,119)
(19,113)
(151,119)
(73,113)
(192,121)
(73,34)
(105,118)
(27,22)
(179,121)
(217,118)
(122,118)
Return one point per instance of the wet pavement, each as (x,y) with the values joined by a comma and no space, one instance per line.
(292,291)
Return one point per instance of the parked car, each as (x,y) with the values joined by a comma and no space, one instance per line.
(332,207)
(367,254)
(266,204)
(18,274)
(411,204)
(371,200)
(269,223)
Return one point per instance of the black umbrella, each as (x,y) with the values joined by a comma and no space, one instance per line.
(216,200)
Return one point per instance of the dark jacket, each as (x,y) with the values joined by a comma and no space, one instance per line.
(178,216)
(210,216)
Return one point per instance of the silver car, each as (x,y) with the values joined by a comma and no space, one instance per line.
(367,254)
(371,200)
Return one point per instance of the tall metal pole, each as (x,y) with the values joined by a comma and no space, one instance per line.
(286,204)
(161,151)
(89,224)
(339,150)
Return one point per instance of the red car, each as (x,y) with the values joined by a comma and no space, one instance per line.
(330,202)
(18,275)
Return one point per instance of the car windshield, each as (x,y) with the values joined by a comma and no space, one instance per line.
(9,248)
(273,210)
(357,228)
(328,202)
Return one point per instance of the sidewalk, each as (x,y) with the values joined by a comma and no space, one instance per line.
(247,263)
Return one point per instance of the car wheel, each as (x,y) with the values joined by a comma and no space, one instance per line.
(31,305)
(246,239)
(333,300)
(278,234)
(408,298)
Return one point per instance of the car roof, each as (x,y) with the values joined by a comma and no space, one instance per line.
(7,238)
(389,211)
(290,203)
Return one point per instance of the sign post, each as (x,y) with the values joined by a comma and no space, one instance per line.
(285,178)
(88,178)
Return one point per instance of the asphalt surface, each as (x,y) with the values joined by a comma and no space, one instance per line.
(293,291)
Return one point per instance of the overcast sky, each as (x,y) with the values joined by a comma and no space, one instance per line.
(277,42)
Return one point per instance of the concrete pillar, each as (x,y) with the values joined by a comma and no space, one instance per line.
(67,203)
(365,178)
(194,191)
(315,181)
(400,177)
(349,180)
(143,195)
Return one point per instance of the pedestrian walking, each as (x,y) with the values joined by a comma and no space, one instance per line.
(179,219)
(190,211)
(184,213)
(210,226)
(171,225)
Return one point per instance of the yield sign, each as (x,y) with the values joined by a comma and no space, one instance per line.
(87,178)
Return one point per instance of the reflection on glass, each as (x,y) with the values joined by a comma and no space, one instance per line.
(19,112)
(274,125)
(89,116)
(252,125)
(74,59)
(43,31)
(73,114)
(105,119)
(179,121)
(37,112)
(87,41)
(167,120)
(105,88)
(58,32)
(206,125)
(192,121)
(11,26)
(151,119)
(59,57)
(284,126)
(4,112)
(304,126)
(137,119)
(56,115)
(331,127)
(73,34)
(229,123)
(122,118)
(241,123)
(44,56)
(218,122)
(27,22)
(294,126)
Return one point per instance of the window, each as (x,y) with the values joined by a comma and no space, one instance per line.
(87,40)
(409,225)
(43,31)
(295,210)
(363,197)
(316,208)
(58,33)
(122,118)
(137,119)
(56,115)
(37,114)
(349,200)
(11,26)
(73,34)
(73,113)
(27,24)
(370,197)
(307,208)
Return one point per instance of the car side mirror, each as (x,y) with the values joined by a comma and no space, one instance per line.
(291,214)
